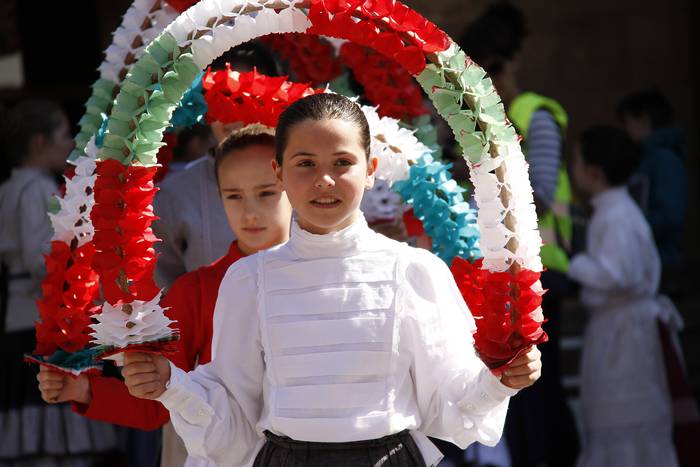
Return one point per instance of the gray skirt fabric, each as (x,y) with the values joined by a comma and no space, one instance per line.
(398,450)
(33,433)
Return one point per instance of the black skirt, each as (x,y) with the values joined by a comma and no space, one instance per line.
(393,450)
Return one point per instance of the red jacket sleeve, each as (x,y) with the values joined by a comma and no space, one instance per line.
(111,401)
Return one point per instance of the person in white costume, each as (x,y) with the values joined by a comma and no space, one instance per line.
(626,406)
(341,346)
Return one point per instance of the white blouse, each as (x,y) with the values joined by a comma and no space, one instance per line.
(25,233)
(334,338)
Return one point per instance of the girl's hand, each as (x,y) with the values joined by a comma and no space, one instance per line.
(58,387)
(145,374)
(524,370)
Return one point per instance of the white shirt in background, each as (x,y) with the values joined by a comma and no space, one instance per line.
(193,228)
(25,234)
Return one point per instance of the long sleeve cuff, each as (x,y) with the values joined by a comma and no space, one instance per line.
(181,397)
(487,394)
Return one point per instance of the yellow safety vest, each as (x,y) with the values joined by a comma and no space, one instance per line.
(555,226)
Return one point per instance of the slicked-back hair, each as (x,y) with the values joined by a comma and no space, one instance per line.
(317,107)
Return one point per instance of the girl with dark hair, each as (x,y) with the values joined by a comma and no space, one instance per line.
(340,347)
(32,433)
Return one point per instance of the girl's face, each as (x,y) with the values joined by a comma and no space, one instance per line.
(325,172)
(586,178)
(256,207)
(55,148)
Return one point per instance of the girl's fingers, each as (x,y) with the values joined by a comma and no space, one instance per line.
(141,378)
(138,368)
(51,385)
(526,369)
(50,397)
(136,357)
(520,382)
(149,390)
(48,375)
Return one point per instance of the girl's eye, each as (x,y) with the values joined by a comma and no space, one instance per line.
(267,193)
(234,196)
(343,162)
(305,163)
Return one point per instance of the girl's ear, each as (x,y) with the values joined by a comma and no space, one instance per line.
(372,164)
(278,170)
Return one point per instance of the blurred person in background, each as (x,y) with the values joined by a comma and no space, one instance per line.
(36,136)
(625,401)
(660,184)
(540,428)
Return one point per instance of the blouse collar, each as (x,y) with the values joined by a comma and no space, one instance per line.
(608,197)
(345,242)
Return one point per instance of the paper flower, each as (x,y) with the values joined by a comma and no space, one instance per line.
(394,146)
(181,5)
(69,290)
(125,258)
(494,208)
(192,108)
(81,362)
(250,97)
(438,203)
(384,26)
(209,31)
(73,218)
(386,84)
(506,308)
(133,323)
(141,23)
(311,58)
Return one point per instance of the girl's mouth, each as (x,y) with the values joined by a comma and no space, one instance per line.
(326,202)
(254,230)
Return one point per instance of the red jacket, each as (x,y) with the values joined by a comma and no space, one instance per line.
(191,299)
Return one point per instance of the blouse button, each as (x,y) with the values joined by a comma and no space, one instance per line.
(201,412)
(470,406)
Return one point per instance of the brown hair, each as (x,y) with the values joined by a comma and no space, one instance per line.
(322,106)
(27,119)
(251,135)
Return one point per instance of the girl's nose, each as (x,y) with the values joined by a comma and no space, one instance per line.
(324,181)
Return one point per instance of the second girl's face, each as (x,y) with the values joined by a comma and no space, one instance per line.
(256,207)
(325,173)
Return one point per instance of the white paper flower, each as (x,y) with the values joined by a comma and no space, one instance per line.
(394,146)
(495,208)
(146,323)
(221,34)
(73,218)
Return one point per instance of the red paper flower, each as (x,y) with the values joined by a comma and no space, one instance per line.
(70,289)
(506,309)
(311,58)
(250,97)
(414,227)
(385,82)
(386,26)
(123,212)
(181,5)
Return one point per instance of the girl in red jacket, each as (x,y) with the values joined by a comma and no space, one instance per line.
(259,214)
